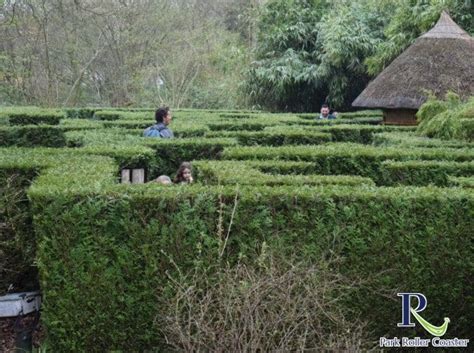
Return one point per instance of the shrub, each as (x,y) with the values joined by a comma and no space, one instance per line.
(274,307)
(125,239)
(433,107)
(280,138)
(447,120)
(128,150)
(35,117)
(127,124)
(354,133)
(345,158)
(80,113)
(237,126)
(423,172)
(467,128)
(159,156)
(17,240)
(107,251)
(32,135)
(171,153)
(107,115)
(310,121)
(236,115)
(80,124)
(283,167)
(360,114)
(464,182)
(408,139)
(186,129)
(18,168)
(339,132)
(233,172)
(350,132)
(66,170)
(347,115)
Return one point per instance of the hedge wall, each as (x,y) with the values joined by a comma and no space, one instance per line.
(159,156)
(409,139)
(346,158)
(232,172)
(184,129)
(17,240)
(339,133)
(103,258)
(347,115)
(104,250)
(464,182)
(171,153)
(423,172)
(18,168)
(281,138)
(36,117)
(32,135)
(278,135)
(80,113)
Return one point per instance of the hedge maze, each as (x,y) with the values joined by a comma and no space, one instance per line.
(398,209)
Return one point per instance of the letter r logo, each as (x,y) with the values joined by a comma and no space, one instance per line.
(406,307)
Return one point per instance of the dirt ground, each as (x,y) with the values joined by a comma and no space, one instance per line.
(8,334)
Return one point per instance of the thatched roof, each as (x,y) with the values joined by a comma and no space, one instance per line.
(440,60)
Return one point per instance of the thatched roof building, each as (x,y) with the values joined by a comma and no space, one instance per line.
(440,60)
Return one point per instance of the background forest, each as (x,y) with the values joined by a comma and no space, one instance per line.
(285,55)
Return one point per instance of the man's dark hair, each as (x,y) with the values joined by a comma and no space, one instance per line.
(325,106)
(161,113)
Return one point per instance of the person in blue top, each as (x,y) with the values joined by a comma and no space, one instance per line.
(160,129)
(325,113)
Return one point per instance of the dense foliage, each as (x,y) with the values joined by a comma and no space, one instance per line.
(310,52)
(326,232)
(449,119)
(313,51)
(287,55)
(126,53)
(407,19)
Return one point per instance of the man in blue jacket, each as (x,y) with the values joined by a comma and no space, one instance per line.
(160,129)
(325,113)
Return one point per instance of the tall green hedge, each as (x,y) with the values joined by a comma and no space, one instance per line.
(171,153)
(238,173)
(408,139)
(464,182)
(423,172)
(32,136)
(19,167)
(80,113)
(346,158)
(17,236)
(105,250)
(281,138)
(35,117)
(103,259)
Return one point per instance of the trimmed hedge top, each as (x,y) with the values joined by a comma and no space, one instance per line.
(348,150)
(35,117)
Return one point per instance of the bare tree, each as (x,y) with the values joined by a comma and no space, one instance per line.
(72,52)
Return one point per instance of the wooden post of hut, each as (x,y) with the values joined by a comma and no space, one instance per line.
(439,61)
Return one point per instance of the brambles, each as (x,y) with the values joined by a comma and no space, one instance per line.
(275,306)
